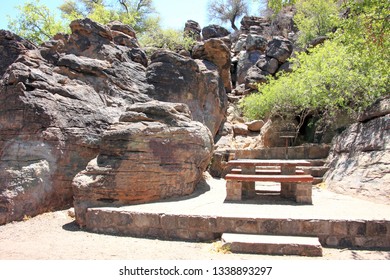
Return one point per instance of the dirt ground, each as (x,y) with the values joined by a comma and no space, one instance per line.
(55,236)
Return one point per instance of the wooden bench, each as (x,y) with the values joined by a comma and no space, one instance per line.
(296,187)
(270,178)
(266,171)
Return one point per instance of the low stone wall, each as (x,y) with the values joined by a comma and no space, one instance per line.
(218,167)
(331,233)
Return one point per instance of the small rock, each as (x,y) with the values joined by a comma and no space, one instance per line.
(255,126)
(240,129)
(71,213)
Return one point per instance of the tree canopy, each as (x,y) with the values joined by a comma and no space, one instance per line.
(227,10)
(37,23)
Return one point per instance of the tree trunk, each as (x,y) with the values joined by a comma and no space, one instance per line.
(233,24)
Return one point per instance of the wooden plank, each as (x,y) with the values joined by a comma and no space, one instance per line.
(269,178)
(266,171)
(271,162)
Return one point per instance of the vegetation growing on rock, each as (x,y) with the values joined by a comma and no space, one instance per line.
(347,73)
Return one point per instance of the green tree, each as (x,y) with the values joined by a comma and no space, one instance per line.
(227,10)
(137,13)
(167,39)
(35,22)
(277,5)
(315,18)
(345,74)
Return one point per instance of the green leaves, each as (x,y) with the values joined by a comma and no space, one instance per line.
(167,38)
(36,22)
(315,18)
(330,78)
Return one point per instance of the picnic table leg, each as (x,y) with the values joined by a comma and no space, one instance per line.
(303,193)
(233,190)
(248,188)
(288,190)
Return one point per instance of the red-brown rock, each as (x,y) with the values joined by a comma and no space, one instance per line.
(156,151)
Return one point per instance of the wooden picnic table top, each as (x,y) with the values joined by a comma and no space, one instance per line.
(268,162)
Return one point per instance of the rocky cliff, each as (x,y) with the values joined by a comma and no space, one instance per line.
(359,161)
(59,101)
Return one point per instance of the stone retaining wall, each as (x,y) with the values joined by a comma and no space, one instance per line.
(331,233)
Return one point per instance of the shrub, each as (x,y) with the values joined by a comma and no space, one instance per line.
(167,39)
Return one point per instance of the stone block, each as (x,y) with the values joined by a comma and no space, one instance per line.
(246,226)
(376,228)
(269,226)
(233,190)
(202,223)
(143,220)
(291,227)
(303,193)
(225,224)
(183,222)
(316,227)
(356,228)
(277,245)
(169,222)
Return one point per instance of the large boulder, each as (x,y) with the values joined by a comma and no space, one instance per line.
(55,103)
(254,77)
(214,31)
(360,156)
(261,24)
(256,42)
(280,48)
(245,61)
(268,64)
(156,151)
(216,51)
(192,29)
(180,79)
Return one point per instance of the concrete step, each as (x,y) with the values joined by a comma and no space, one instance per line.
(315,171)
(272,244)
(317,162)
(317,180)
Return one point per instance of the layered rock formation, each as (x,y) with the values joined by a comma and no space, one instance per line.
(155,151)
(11,47)
(359,161)
(196,83)
(56,102)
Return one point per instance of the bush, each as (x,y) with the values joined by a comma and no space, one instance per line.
(167,39)
(347,73)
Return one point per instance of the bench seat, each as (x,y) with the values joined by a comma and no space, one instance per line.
(266,171)
(270,178)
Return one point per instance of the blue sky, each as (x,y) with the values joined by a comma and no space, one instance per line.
(173,13)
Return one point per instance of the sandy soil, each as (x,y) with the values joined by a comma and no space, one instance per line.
(56,236)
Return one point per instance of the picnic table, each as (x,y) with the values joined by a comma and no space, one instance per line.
(240,182)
